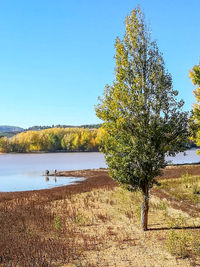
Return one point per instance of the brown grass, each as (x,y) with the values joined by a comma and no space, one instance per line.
(94,223)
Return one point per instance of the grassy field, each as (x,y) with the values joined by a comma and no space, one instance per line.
(97,223)
(186,188)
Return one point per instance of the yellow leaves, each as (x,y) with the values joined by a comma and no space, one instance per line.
(191,74)
(120,121)
(3,144)
(70,139)
(100,135)
(194,75)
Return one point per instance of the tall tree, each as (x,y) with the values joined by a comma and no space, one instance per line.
(142,118)
(195,119)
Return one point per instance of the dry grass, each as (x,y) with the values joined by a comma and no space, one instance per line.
(94,223)
(185,188)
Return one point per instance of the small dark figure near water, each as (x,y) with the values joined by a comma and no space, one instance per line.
(55,171)
(47,172)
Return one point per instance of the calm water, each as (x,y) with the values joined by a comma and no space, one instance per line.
(190,156)
(20,172)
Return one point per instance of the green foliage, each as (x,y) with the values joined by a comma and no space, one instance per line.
(185,178)
(54,142)
(143,120)
(82,220)
(57,223)
(67,142)
(195,118)
(195,77)
(186,188)
(4,144)
(177,243)
(37,128)
(196,189)
(195,244)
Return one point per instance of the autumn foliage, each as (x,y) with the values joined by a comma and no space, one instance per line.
(195,119)
(55,139)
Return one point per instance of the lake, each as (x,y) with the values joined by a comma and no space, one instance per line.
(22,172)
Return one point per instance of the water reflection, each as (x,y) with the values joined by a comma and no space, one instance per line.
(25,183)
(47,179)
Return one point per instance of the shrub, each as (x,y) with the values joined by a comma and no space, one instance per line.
(196,189)
(177,243)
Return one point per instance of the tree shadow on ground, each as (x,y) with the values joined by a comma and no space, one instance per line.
(174,228)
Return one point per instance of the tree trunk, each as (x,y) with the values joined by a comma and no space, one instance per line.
(145,207)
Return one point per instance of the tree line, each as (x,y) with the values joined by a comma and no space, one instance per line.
(53,139)
(39,127)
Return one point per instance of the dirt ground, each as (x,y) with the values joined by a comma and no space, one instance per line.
(93,223)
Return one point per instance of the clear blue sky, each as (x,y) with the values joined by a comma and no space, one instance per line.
(57,56)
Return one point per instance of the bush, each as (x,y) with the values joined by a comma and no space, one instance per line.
(177,243)
(196,189)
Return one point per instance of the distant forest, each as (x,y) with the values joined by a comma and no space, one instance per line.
(10,131)
(88,126)
(53,139)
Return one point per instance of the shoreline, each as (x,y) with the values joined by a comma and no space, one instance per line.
(95,178)
(169,169)
(46,152)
